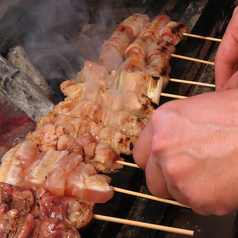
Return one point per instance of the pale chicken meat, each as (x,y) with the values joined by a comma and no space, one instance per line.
(102,157)
(121,38)
(113,50)
(53,170)
(110,57)
(85,184)
(76,127)
(47,136)
(124,121)
(97,73)
(81,134)
(135,103)
(134,81)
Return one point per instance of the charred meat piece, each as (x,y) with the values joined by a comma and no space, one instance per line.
(102,157)
(163,49)
(16,223)
(173,32)
(74,212)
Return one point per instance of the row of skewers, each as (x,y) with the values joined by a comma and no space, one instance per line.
(82,128)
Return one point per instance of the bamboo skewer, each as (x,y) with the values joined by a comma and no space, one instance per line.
(202,37)
(192,82)
(142,194)
(127,164)
(172,95)
(144,225)
(192,59)
(147,196)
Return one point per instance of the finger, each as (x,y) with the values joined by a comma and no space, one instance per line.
(142,147)
(155,178)
(232,83)
(227,56)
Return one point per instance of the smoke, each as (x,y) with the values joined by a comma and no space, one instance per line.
(46,40)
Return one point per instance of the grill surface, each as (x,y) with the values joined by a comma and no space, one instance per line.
(205,17)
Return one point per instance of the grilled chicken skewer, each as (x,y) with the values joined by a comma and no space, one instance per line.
(124,121)
(76,127)
(135,103)
(113,50)
(60,172)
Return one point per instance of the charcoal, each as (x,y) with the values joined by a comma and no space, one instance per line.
(23,92)
(18,58)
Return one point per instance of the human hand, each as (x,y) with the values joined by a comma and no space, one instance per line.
(226,63)
(189,152)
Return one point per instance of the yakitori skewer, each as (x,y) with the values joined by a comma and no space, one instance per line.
(144,225)
(147,196)
(202,37)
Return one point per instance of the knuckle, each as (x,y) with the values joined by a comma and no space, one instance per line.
(173,170)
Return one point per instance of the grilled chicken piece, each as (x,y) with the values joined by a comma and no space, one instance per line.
(110,57)
(76,127)
(74,212)
(163,49)
(173,32)
(159,68)
(135,23)
(113,50)
(135,103)
(97,73)
(55,170)
(154,27)
(102,157)
(124,121)
(135,62)
(16,197)
(139,46)
(54,229)
(16,223)
(120,39)
(48,215)
(137,81)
